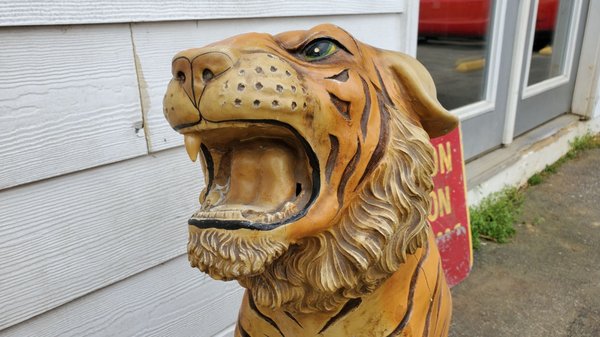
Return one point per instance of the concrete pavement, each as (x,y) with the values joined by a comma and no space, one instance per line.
(546,281)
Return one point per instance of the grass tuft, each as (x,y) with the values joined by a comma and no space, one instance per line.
(535,179)
(578,145)
(493,219)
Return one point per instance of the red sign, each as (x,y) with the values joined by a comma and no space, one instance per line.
(449,215)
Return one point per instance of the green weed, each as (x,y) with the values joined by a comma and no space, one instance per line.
(578,145)
(494,217)
(535,179)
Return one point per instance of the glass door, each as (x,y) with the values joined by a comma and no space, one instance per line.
(462,43)
(503,67)
(555,31)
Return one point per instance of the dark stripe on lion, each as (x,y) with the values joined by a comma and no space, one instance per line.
(333,153)
(342,106)
(411,294)
(383,139)
(437,315)
(293,318)
(243,331)
(386,95)
(347,173)
(364,118)
(210,167)
(432,302)
(341,77)
(346,309)
(384,117)
(261,315)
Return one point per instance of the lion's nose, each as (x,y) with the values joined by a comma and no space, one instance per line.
(194,69)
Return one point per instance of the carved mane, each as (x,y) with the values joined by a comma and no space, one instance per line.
(370,239)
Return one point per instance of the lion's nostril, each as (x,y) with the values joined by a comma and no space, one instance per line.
(207,75)
(180,76)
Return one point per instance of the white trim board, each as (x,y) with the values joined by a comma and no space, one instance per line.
(514,81)
(527,155)
(46,12)
(411,19)
(586,96)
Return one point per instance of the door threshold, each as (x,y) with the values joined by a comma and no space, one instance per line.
(528,154)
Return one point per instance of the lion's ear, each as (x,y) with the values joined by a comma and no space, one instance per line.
(415,89)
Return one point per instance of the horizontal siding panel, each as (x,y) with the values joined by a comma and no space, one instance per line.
(67,236)
(169,300)
(157,43)
(227,332)
(69,100)
(44,12)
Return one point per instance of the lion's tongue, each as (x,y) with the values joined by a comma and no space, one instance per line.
(262,176)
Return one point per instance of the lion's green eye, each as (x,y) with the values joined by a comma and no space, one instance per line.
(319,49)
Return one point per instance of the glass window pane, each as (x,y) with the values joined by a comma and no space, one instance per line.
(550,40)
(453,45)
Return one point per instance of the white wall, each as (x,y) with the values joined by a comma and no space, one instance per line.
(93,207)
(586,97)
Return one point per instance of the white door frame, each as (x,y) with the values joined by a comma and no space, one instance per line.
(518,88)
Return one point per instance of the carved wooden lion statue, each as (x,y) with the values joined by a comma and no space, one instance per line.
(317,164)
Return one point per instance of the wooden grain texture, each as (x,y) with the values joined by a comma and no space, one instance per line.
(44,12)
(169,300)
(68,101)
(67,236)
(157,43)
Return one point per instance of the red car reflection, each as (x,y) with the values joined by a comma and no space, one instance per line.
(470,19)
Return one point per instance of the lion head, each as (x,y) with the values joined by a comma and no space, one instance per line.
(317,162)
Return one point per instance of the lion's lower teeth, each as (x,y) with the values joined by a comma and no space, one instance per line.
(226,215)
(252,215)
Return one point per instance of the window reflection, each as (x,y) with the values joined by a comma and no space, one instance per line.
(549,41)
(453,45)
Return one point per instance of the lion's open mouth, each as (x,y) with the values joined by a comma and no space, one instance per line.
(259,175)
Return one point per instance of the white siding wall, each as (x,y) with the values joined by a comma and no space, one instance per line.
(68,100)
(93,208)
